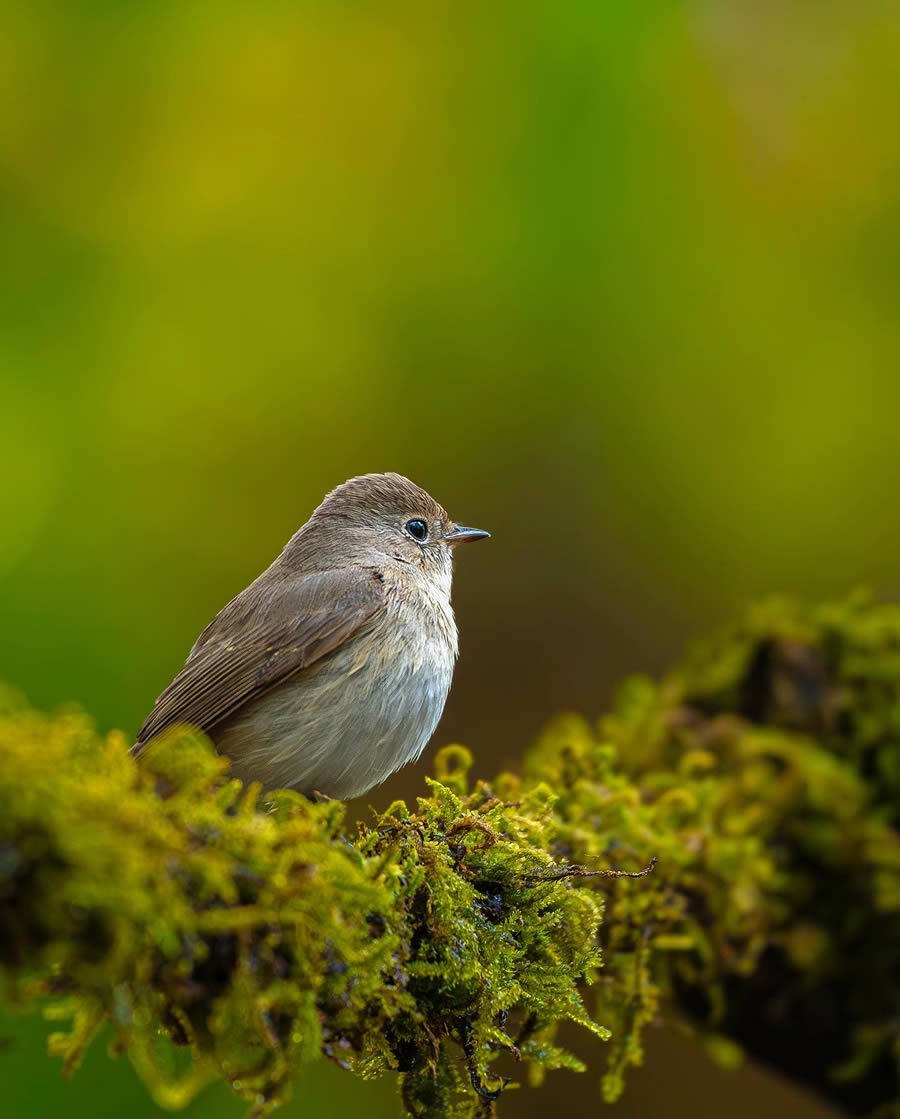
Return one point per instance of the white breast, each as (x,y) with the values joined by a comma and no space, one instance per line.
(350,721)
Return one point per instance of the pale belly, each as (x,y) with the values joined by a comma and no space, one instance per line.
(347,723)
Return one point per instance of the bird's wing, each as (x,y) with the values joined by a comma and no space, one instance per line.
(269,632)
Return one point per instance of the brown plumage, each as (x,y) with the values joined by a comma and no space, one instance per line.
(331,669)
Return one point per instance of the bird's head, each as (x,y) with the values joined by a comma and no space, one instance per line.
(390,517)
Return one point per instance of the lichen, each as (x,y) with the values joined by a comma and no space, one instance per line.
(447,943)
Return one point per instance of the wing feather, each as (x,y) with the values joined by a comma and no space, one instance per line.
(272,630)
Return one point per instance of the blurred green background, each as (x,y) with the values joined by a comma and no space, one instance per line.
(617,281)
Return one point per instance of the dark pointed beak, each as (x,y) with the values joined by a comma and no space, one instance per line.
(459,534)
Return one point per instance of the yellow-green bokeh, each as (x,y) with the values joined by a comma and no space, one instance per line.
(618,281)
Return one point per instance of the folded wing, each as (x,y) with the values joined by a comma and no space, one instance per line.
(271,631)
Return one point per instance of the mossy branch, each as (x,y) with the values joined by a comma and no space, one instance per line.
(449,942)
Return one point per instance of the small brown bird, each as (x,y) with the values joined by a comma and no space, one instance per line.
(331,670)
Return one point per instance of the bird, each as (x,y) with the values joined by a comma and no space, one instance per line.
(331,669)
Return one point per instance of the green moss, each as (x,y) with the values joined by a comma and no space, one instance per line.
(252,931)
(447,943)
(787,726)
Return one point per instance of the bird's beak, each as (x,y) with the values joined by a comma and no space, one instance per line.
(459,534)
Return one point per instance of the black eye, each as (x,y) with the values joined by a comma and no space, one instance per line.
(418,530)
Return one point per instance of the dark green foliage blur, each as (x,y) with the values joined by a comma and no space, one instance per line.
(617,281)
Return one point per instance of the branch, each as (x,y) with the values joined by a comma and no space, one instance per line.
(449,942)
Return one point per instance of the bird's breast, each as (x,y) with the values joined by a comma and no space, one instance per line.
(360,713)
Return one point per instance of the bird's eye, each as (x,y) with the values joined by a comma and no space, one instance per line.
(417,529)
